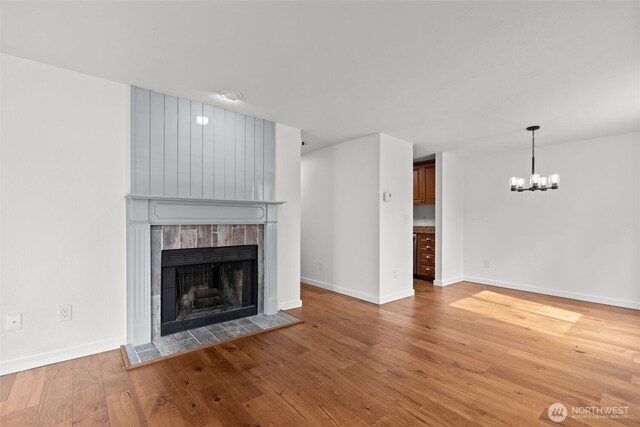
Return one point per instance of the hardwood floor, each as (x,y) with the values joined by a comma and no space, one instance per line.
(462,355)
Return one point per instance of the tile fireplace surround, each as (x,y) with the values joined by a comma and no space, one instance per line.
(157,222)
(200,236)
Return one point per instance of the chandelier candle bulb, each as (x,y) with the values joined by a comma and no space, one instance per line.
(513,181)
(543,183)
(536,181)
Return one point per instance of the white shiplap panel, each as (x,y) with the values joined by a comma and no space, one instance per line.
(207,152)
(140,152)
(184,148)
(269,160)
(259,160)
(156,144)
(219,144)
(230,156)
(249,163)
(240,156)
(196,150)
(170,146)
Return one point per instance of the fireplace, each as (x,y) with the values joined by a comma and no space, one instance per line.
(156,224)
(202,286)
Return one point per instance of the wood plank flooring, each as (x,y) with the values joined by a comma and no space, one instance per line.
(466,354)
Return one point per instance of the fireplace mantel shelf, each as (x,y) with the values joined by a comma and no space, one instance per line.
(207,201)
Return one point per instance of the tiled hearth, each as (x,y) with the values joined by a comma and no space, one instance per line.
(199,236)
(199,337)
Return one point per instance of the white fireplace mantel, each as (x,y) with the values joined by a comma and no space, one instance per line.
(144,211)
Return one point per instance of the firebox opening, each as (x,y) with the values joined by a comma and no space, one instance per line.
(207,285)
(208,288)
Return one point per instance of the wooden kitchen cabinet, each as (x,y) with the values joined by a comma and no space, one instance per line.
(426,255)
(424,183)
(418,185)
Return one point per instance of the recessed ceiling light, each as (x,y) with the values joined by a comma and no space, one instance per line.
(231,95)
(202,120)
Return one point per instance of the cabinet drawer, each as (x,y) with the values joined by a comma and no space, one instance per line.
(427,248)
(427,238)
(426,270)
(427,259)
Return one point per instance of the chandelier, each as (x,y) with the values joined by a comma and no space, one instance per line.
(536,182)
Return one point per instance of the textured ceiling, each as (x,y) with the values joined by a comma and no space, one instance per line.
(466,77)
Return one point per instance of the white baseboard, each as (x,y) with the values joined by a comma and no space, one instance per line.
(359,295)
(338,289)
(288,305)
(42,359)
(447,282)
(397,295)
(555,292)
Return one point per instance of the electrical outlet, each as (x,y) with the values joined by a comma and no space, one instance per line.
(64,313)
(13,322)
(487,264)
(321,265)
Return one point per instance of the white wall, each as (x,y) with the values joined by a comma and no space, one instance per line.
(424,214)
(396,222)
(451,219)
(288,147)
(65,171)
(65,145)
(352,242)
(581,241)
(340,217)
